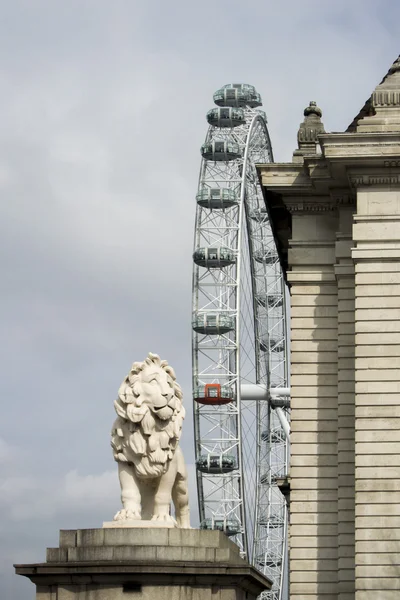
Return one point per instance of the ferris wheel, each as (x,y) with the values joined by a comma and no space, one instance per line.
(240,373)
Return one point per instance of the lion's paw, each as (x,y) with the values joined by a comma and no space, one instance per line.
(164,519)
(124,514)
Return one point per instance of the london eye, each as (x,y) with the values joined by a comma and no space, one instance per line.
(240,367)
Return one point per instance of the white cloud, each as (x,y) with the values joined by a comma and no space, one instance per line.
(102,117)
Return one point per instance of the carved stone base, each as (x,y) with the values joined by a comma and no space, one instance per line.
(138,524)
(144,564)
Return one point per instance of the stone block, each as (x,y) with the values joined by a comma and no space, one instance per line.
(378,497)
(379,435)
(377,375)
(301,495)
(314,323)
(324,576)
(314,357)
(90,537)
(382,546)
(376,230)
(300,256)
(67,538)
(307,553)
(319,426)
(377,266)
(374,485)
(383,447)
(313,290)
(373,535)
(346,541)
(317,449)
(313,460)
(378,522)
(313,484)
(377,423)
(314,507)
(370,387)
(375,326)
(330,311)
(377,350)
(314,565)
(138,537)
(328,392)
(313,300)
(90,553)
(316,531)
(377,510)
(314,519)
(56,554)
(142,553)
(314,437)
(346,491)
(377,290)
(314,334)
(313,345)
(310,414)
(389,399)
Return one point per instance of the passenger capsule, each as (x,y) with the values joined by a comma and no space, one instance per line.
(277,345)
(228,526)
(216,463)
(214,258)
(237,94)
(217,198)
(226,117)
(213,324)
(273,436)
(268,559)
(274,522)
(275,300)
(213,394)
(220,150)
(272,345)
(262,114)
(272,300)
(268,257)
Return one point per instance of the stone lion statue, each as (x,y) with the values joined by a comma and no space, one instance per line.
(145,438)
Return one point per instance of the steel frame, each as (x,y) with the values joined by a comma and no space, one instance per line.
(252,292)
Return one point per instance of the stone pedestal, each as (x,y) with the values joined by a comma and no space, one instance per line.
(144,564)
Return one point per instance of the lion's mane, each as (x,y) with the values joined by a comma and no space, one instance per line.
(140,437)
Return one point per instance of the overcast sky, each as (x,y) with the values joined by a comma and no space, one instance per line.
(102,114)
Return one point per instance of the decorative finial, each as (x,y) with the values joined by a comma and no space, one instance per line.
(309,130)
(313,109)
(395,66)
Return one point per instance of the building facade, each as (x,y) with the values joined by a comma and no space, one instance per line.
(335,213)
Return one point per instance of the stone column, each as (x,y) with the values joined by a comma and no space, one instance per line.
(144,564)
(376,234)
(344,270)
(313,496)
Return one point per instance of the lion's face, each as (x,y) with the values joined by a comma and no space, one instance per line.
(157,391)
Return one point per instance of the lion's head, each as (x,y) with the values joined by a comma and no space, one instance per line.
(150,415)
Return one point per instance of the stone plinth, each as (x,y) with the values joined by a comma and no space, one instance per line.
(144,564)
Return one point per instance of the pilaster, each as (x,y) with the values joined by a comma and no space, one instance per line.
(313,498)
(344,270)
(376,254)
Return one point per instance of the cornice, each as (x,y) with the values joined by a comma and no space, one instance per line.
(370,180)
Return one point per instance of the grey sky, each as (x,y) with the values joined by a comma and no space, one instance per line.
(102,110)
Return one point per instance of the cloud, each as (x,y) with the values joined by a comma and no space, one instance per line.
(102,117)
